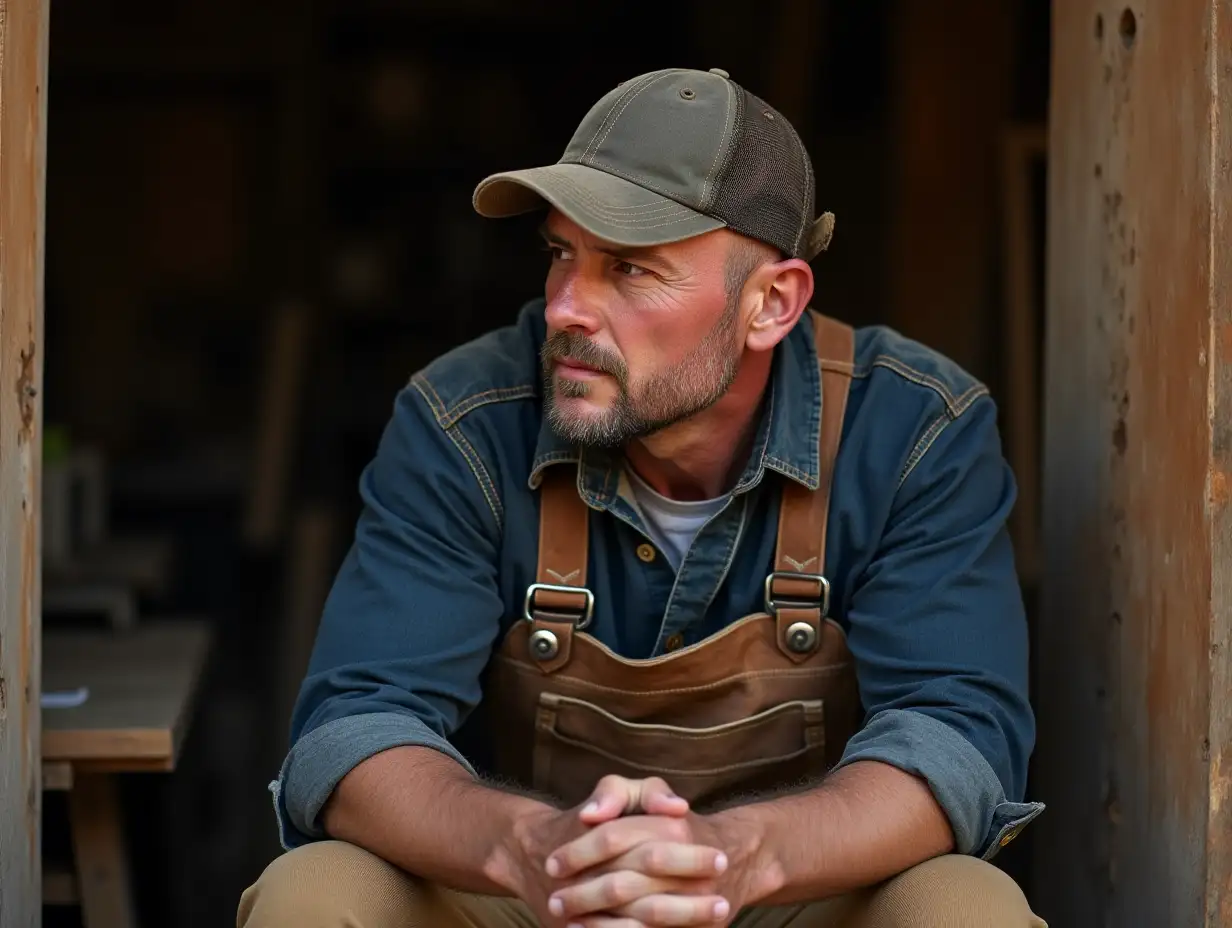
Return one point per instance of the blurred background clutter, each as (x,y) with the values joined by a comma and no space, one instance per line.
(259,226)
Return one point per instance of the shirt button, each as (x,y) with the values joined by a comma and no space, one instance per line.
(674,642)
(646,553)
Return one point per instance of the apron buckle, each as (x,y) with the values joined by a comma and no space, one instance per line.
(783,591)
(560,604)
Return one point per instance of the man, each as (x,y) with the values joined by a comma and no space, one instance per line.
(724,586)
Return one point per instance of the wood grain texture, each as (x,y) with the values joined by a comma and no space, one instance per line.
(23,135)
(142,687)
(1133,754)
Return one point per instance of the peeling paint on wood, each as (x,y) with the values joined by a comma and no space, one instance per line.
(1134,755)
(23,74)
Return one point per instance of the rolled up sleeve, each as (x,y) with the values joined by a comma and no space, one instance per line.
(409,623)
(938,631)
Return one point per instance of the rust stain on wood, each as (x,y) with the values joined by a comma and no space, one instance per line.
(27,390)
(1218,494)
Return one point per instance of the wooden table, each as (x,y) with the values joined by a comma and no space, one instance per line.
(142,685)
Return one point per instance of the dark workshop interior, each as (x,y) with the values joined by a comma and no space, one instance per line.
(259,225)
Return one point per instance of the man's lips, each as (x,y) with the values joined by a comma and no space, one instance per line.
(573,368)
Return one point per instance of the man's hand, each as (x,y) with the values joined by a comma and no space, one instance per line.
(652,870)
(657,865)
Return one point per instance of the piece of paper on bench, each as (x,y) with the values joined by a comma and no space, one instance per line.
(65,699)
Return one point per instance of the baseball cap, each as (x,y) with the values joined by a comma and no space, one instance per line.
(672,154)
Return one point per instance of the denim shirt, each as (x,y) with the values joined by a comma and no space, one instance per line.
(920,564)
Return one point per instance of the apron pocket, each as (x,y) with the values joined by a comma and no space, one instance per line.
(577,743)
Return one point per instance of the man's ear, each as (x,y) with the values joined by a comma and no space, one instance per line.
(783,291)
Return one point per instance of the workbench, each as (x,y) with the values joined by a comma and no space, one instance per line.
(142,685)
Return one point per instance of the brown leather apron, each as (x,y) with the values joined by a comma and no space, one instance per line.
(767,703)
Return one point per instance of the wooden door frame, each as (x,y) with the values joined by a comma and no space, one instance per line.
(1135,724)
(23,143)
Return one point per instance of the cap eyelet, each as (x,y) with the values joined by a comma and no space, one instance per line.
(687,93)
(769,116)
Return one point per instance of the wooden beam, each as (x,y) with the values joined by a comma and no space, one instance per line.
(23,138)
(1135,721)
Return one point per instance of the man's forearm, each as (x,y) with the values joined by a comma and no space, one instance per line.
(422,811)
(866,822)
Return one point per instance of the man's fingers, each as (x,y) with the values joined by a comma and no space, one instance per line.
(615,796)
(610,892)
(673,859)
(612,797)
(658,799)
(610,840)
(668,910)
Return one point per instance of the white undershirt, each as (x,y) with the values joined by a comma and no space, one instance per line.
(671,523)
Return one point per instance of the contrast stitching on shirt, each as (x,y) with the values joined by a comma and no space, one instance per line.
(541,463)
(924,380)
(481,474)
(496,395)
(931,434)
(419,382)
(464,446)
(781,465)
(926,441)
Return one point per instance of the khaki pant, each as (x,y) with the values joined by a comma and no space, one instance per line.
(331,884)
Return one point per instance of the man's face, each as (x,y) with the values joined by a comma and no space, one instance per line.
(638,339)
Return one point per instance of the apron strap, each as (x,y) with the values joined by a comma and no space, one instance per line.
(559,602)
(797,592)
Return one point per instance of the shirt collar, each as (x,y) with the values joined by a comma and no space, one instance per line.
(787,434)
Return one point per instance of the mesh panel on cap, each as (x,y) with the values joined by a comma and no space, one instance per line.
(766,191)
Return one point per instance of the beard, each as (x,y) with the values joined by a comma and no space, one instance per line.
(668,396)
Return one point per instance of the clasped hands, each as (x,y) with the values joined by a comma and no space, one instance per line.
(634,856)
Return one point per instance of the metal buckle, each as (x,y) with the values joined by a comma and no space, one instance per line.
(579,623)
(773,605)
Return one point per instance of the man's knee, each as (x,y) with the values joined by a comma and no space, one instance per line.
(953,891)
(329,884)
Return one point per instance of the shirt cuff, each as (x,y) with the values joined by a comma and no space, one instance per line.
(322,757)
(961,780)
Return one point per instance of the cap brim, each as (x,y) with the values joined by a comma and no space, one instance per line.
(606,206)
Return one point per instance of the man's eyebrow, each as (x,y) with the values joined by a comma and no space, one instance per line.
(621,252)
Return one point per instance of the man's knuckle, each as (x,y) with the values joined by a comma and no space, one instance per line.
(678,830)
(622,887)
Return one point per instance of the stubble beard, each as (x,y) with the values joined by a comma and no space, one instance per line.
(670,396)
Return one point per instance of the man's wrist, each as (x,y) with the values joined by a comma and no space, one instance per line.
(509,861)
(754,869)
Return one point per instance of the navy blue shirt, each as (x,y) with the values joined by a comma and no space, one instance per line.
(918,556)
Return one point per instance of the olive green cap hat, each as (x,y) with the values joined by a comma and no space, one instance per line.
(670,155)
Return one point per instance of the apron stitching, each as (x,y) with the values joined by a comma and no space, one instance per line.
(828,670)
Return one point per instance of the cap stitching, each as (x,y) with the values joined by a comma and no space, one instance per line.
(705,201)
(625,106)
(632,210)
(659,211)
(586,153)
(808,179)
(639,181)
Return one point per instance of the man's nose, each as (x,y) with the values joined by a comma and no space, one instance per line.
(574,306)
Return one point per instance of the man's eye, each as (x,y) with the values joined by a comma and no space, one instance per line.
(558,253)
(629,270)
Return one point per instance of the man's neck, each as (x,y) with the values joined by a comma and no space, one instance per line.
(703,457)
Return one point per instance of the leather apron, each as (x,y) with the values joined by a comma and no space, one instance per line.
(765,704)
